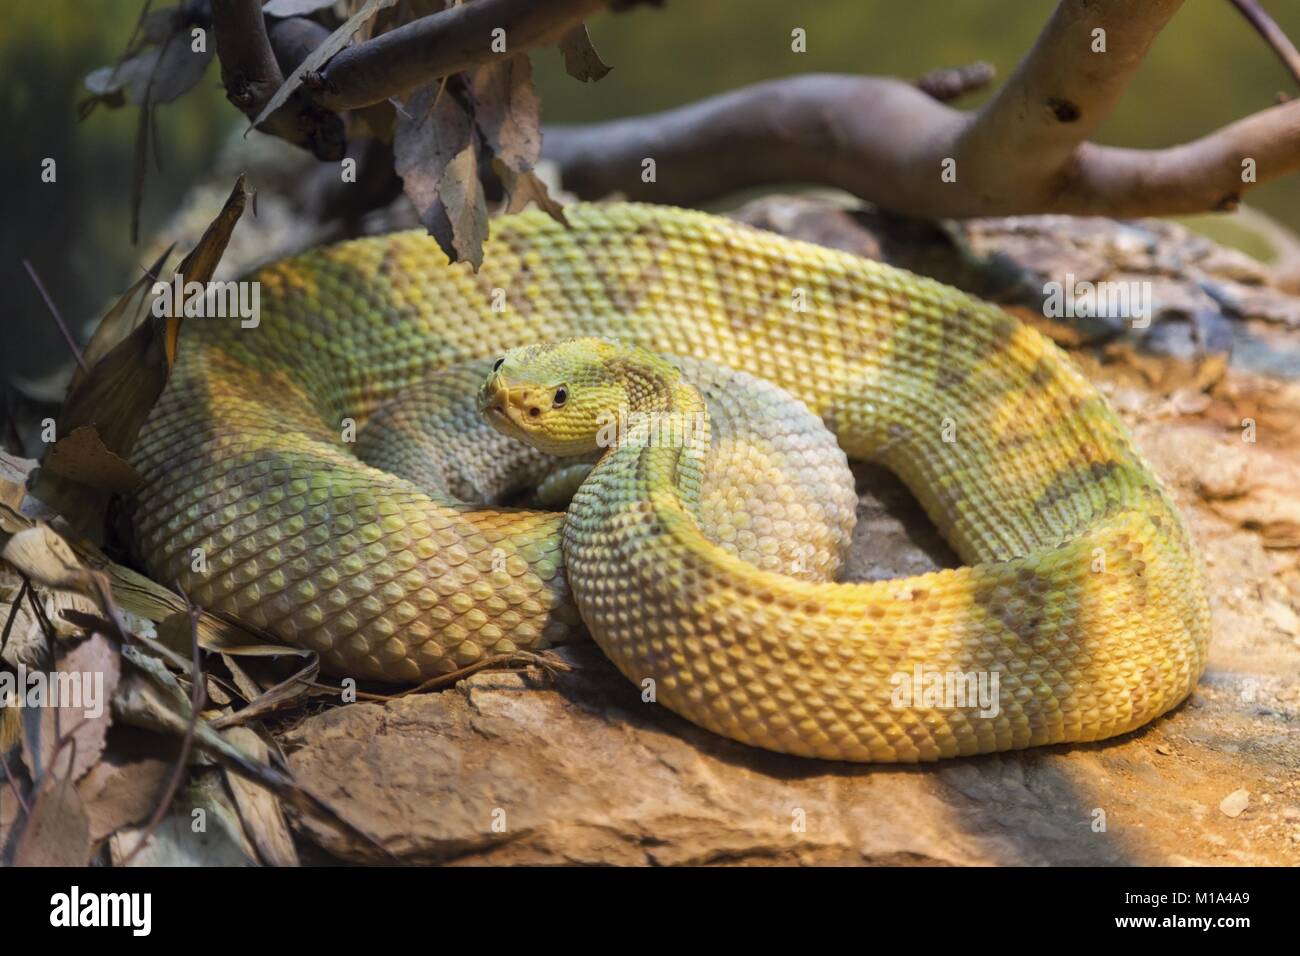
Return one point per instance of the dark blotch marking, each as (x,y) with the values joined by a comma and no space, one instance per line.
(1044,373)
(1063,109)
(1032,590)
(961,355)
(1073,482)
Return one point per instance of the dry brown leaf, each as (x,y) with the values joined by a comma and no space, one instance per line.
(56,833)
(120,320)
(465,206)
(10,734)
(219,636)
(507,111)
(82,457)
(274,697)
(28,642)
(523,188)
(434,150)
(120,791)
(220,841)
(14,473)
(150,698)
(259,809)
(243,680)
(581,61)
(120,389)
(67,737)
(48,560)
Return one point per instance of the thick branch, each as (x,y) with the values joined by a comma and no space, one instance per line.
(1202,175)
(251,76)
(1066,85)
(459,38)
(885,141)
(874,137)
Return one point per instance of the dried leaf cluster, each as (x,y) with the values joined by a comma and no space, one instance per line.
(453,140)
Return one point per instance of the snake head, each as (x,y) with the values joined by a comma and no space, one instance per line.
(561,397)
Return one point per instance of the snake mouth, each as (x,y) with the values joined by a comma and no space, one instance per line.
(503,417)
(509,408)
(498,414)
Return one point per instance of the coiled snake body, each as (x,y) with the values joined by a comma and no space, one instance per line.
(1082,591)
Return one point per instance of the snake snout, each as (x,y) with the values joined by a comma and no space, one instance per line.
(506,403)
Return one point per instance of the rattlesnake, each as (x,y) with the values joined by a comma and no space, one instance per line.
(1083,591)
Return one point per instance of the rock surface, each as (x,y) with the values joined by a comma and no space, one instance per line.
(576,769)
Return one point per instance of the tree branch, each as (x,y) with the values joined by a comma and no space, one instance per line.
(1062,90)
(1203,175)
(888,143)
(459,38)
(251,76)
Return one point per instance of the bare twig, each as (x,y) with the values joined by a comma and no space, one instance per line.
(13,614)
(38,610)
(950,82)
(1272,33)
(13,785)
(505,663)
(549,664)
(54,311)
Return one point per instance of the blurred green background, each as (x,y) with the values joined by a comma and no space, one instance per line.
(1207,69)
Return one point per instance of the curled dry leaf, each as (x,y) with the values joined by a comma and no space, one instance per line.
(120,389)
(275,696)
(461,200)
(161,74)
(507,113)
(523,188)
(121,319)
(581,60)
(48,560)
(435,153)
(28,643)
(14,473)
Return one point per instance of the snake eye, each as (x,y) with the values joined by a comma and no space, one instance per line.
(561,396)
(496,366)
